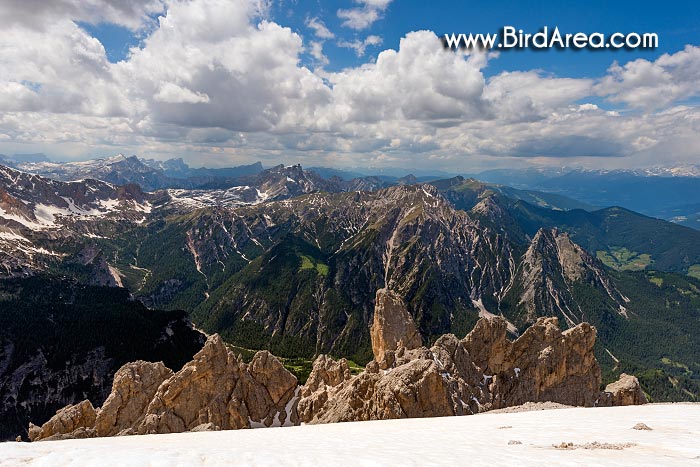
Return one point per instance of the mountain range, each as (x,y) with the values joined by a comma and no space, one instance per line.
(287,260)
(666,193)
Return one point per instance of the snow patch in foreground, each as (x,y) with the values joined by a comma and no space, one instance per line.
(470,440)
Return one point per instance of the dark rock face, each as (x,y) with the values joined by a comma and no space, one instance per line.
(61,343)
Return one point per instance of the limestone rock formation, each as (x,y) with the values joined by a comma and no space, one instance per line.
(325,378)
(544,364)
(133,388)
(269,372)
(216,390)
(393,326)
(78,420)
(625,391)
(482,371)
(415,388)
(217,387)
(198,393)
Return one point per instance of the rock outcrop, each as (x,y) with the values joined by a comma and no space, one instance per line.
(135,384)
(482,371)
(392,327)
(217,387)
(72,421)
(216,390)
(625,391)
(415,387)
(325,378)
(544,364)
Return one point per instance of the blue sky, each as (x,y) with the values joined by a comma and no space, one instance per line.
(676,23)
(347,83)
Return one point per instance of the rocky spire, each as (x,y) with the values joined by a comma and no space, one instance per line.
(393,326)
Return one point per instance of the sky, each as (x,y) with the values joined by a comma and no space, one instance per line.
(346,83)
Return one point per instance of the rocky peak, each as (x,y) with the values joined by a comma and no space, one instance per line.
(489,208)
(282,182)
(552,244)
(552,264)
(196,394)
(269,372)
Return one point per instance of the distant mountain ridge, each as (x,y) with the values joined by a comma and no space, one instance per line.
(118,170)
(667,193)
(149,174)
(177,168)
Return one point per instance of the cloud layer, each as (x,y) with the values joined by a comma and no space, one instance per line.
(218,82)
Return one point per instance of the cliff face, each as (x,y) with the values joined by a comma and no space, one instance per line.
(62,342)
(480,372)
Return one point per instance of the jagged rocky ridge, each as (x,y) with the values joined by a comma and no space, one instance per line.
(481,372)
(543,279)
(44,221)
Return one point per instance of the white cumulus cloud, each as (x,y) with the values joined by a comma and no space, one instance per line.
(217,82)
(364,15)
(319,28)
